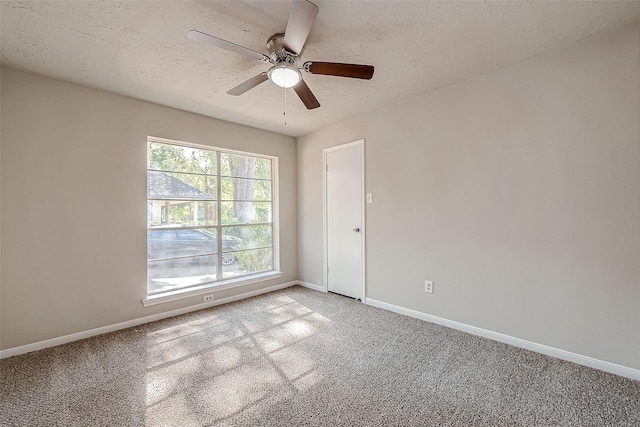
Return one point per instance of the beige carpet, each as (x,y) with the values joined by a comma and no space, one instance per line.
(298,357)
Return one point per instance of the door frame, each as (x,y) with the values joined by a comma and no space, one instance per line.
(325,238)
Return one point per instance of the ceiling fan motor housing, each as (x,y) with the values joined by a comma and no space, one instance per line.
(277,52)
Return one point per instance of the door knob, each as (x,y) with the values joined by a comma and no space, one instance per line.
(357,229)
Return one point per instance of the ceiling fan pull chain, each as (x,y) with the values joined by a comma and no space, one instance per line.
(284,112)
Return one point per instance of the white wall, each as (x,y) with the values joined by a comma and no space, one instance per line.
(518,192)
(74,204)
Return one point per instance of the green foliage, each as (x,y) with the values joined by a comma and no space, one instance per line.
(255,261)
(253,236)
(181,159)
(257,236)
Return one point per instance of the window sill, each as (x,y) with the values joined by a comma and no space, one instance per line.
(208,288)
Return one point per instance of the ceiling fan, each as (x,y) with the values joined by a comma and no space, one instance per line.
(284,55)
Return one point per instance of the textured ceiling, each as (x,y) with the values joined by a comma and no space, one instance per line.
(140,49)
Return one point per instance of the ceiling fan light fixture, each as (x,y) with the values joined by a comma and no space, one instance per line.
(285,75)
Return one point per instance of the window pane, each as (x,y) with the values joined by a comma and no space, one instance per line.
(248,237)
(263,169)
(181,159)
(245,189)
(171,185)
(245,212)
(163,243)
(247,262)
(169,275)
(237,165)
(180,212)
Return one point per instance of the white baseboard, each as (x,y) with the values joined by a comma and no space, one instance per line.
(602,365)
(312,286)
(135,322)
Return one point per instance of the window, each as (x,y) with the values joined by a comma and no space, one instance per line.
(210,216)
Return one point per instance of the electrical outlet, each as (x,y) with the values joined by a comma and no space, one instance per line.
(428,286)
(208,298)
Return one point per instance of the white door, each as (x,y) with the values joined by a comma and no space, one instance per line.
(344,227)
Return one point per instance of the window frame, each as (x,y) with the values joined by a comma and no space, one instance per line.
(220,283)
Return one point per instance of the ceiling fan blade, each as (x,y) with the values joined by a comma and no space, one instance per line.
(342,70)
(223,44)
(303,14)
(306,96)
(249,84)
